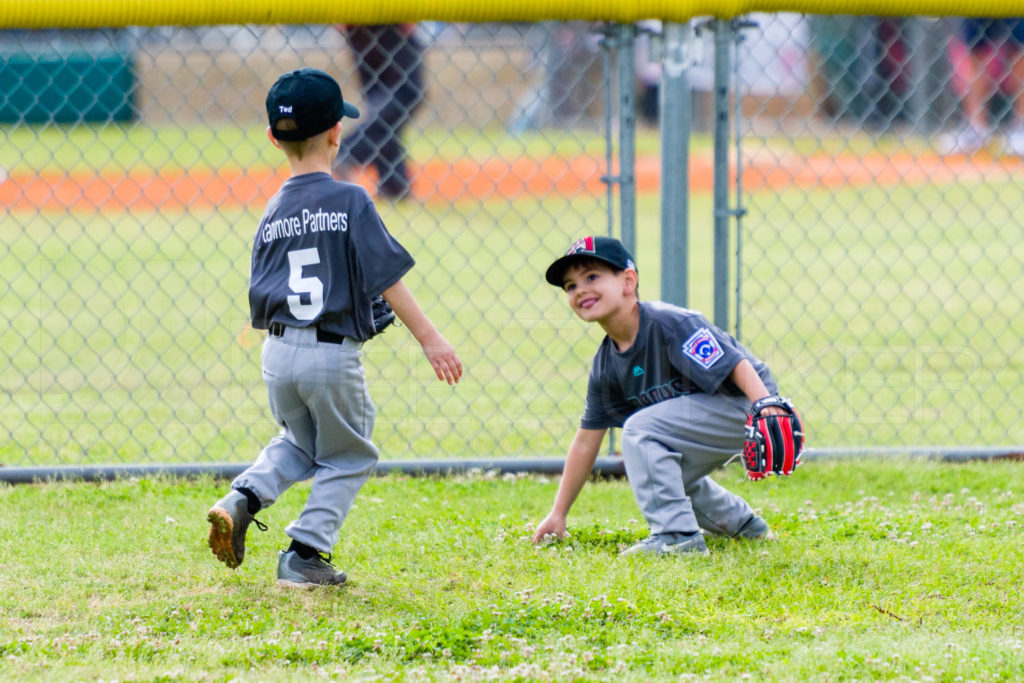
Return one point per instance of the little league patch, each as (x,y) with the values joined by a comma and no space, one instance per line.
(703,348)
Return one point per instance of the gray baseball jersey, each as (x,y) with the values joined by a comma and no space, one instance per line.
(677,352)
(681,417)
(320,256)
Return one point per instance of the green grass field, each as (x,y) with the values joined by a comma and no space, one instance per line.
(884,570)
(890,314)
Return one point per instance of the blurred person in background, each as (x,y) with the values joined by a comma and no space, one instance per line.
(648,72)
(389,61)
(987,59)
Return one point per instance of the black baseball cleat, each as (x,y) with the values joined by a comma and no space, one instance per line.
(294,571)
(229,520)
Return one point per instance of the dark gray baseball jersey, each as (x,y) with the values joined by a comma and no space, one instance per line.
(320,256)
(677,352)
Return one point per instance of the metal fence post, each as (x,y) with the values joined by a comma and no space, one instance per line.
(609,40)
(627,136)
(622,37)
(723,38)
(675,175)
(739,210)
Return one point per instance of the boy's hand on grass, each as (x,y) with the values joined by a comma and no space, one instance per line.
(553,526)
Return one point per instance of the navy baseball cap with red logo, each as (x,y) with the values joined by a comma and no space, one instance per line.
(309,97)
(607,249)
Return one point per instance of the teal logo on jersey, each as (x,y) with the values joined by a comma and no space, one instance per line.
(637,371)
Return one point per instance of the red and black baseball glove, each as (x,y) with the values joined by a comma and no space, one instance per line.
(773,442)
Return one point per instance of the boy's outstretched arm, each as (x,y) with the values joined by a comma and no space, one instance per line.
(578,466)
(436,348)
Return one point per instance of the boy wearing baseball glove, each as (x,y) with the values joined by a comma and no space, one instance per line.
(687,396)
(326,276)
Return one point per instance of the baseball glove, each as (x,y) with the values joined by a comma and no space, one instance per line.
(773,442)
(382,315)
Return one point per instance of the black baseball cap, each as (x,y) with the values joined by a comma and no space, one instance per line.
(309,97)
(607,249)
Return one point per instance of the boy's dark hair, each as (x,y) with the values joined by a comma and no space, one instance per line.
(590,262)
(294,148)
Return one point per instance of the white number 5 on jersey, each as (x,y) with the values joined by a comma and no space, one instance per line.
(304,285)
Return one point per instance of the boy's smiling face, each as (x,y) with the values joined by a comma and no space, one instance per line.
(597,293)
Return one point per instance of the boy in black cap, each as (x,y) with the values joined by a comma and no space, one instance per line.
(321,255)
(680,389)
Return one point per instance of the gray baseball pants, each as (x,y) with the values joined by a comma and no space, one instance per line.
(669,449)
(318,395)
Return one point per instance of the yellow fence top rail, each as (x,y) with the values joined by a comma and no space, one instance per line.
(115,13)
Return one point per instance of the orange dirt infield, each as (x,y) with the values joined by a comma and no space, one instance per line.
(439,182)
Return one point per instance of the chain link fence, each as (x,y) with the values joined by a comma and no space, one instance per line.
(878,256)
(882,248)
(136,167)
